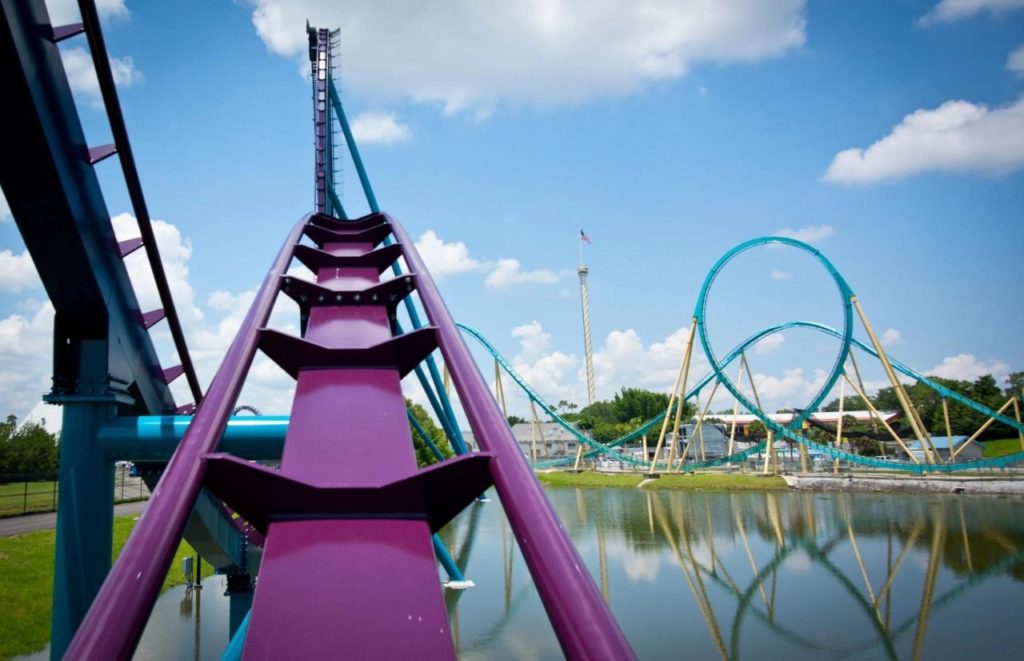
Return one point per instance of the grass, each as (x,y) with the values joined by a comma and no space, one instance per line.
(1001,447)
(19,498)
(26,582)
(703,482)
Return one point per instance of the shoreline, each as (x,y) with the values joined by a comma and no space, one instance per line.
(935,484)
(691,482)
(867,483)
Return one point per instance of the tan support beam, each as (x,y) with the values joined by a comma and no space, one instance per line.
(700,421)
(839,423)
(735,412)
(949,428)
(981,430)
(874,411)
(684,367)
(901,394)
(536,431)
(499,389)
(1016,413)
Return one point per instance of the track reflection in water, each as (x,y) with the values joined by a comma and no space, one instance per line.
(726,575)
(764,575)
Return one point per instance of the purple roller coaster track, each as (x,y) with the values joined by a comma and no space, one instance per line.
(338,538)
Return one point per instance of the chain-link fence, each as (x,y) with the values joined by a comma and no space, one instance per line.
(38,492)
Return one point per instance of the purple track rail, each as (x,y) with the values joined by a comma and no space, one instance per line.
(348,566)
(114,623)
(585,627)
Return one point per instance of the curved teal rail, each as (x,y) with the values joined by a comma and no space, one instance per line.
(609,448)
(846,295)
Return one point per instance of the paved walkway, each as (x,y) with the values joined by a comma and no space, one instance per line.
(17,525)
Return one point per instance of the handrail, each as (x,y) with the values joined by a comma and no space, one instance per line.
(94,33)
(118,614)
(582,621)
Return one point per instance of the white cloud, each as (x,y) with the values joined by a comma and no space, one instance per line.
(49,416)
(465,57)
(25,359)
(621,360)
(769,344)
(891,337)
(948,11)
(17,272)
(379,128)
(5,209)
(809,234)
(793,388)
(779,274)
(63,12)
(175,253)
(445,259)
(82,74)
(1015,60)
(958,136)
(966,367)
(551,373)
(508,273)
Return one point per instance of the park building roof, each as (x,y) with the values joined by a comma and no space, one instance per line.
(821,417)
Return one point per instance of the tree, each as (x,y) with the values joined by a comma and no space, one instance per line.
(1015,384)
(28,449)
(515,420)
(592,414)
(756,430)
(637,403)
(850,403)
(424,455)
(963,420)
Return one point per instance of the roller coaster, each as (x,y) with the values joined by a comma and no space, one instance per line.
(343,521)
(716,377)
(347,523)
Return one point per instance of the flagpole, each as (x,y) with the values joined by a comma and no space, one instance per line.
(581,246)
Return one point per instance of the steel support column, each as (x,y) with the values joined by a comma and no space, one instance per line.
(85,519)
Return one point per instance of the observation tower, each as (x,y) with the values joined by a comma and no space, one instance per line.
(588,357)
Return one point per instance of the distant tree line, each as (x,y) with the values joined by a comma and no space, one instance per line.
(26,449)
(607,420)
(963,420)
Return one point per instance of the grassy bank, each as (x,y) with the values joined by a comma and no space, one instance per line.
(26,581)
(703,482)
(1001,447)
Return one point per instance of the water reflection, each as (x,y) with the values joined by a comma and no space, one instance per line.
(765,575)
(726,575)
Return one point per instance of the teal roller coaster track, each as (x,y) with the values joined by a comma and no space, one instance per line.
(789,431)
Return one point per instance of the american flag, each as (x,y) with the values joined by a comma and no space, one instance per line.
(584,237)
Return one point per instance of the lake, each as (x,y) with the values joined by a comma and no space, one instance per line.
(727,575)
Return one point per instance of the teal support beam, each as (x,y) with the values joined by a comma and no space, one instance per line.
(444,410)
(85,519)
(424,436)
(236,646)
(332,195)
(353,149)
(154,437)
(455,577)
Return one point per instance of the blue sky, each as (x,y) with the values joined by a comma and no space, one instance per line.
(889,134)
